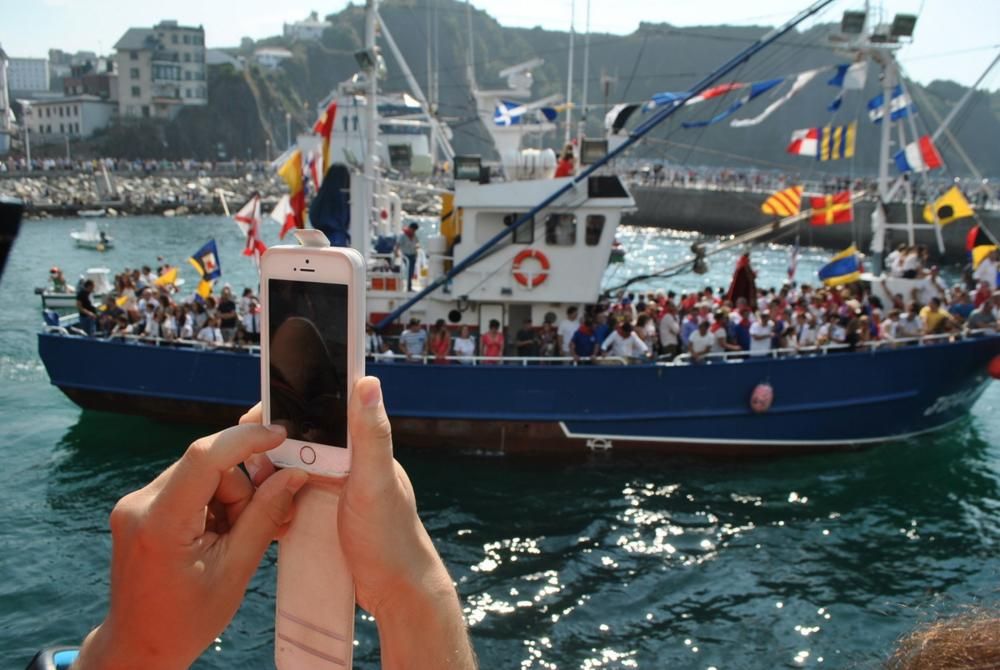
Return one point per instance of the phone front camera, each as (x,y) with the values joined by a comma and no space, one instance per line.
(307,261)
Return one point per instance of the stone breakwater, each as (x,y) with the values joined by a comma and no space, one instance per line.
(56,194)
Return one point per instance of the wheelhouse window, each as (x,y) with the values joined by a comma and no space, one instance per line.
(560,230)
(523,235)
(595,226)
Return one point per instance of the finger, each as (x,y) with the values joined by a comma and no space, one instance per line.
(259,467)
(254,415)
(193,481)
(263,519)
(371,435)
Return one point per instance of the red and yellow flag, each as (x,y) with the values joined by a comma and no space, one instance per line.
(830,209)
(291,172)
(784,203)
(324,128)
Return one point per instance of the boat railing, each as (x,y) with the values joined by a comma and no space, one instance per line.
(821,350)
(426,359)
(175,342)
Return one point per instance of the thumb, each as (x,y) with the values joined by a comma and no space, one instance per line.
(371,436)
(266,513)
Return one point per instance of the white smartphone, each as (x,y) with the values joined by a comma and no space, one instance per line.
(312,352)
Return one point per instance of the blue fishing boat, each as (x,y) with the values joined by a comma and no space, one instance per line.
(525,248)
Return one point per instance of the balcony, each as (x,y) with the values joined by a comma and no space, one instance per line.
(166,57)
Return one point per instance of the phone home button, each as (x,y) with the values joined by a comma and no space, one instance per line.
(307,454)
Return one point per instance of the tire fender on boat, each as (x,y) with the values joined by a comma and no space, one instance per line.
(535,279)
(761,398)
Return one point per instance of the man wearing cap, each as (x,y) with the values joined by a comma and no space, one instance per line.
(406,244)
(413,341)
(58,281)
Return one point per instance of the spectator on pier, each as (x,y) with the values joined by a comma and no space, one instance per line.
(85,308)
(465,346)
(413,341)
(439,345)
(567,327)
(492,343)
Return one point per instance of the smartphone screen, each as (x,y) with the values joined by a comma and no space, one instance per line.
(308,366)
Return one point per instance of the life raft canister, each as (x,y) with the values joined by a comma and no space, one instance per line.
(994,367)
(761,398)
(536,279)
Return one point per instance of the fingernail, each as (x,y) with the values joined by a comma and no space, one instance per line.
(371,396)
(296,481)
(278,429)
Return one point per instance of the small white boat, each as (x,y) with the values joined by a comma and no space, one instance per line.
(91,237)
(91,213)
(52,299)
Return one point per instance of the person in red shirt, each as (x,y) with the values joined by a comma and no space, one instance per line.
(567,163)
(492,342)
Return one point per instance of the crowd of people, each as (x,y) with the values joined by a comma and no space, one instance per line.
(147,304)
(126,165)
(638,327)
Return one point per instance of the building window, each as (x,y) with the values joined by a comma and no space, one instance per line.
(61,130)
(134,55)
(173,39)
(133,73)
(187,76)
(136,92)
(560,230)
(187,57)
(595,226)
(187,39)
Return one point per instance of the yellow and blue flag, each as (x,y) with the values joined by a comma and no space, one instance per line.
(844,268)
(206,261)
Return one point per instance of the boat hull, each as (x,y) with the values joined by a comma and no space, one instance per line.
(822,402)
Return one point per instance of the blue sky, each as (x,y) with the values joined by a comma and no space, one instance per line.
(955,39)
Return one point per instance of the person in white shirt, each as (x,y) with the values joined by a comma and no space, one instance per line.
(761,332)
(938,284)
(211,333)
(567,328)
(670,330)
(987,271)
(805,331)
(911,263)
(187,324)
(701,342)
(894,261)
(910,325)
(625,343)
(464,346)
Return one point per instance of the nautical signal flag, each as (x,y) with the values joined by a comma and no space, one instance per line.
(919,156)
(826,143)
(291,173)
(899,105)
(324,128)
(848,77)
(206,261)
(248,220)
(844,268)
(830,209)
(951,206)
(784,203)
(979,245)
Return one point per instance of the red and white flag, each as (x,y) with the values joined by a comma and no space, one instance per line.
(805,142)
(248,219)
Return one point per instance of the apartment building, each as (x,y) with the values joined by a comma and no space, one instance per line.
(28,75)
(161,70)
(73,116)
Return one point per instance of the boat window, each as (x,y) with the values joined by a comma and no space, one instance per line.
(523,235)
(560,230)
(595,226)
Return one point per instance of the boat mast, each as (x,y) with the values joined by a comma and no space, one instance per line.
(569,77)
(371,107)
(581,129)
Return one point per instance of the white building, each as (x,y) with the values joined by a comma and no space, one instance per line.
(220,57)
(76,117)
(309,29)
(160,70)
(28,74)
(271,57)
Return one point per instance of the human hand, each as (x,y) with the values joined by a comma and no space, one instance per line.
(184,549)
(399,577)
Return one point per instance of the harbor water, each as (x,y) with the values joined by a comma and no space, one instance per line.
(601,561)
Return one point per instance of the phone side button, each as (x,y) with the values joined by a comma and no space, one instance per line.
(307,454)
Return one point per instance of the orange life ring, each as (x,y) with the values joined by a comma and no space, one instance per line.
(535,279)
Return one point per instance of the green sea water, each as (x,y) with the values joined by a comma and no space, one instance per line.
(600,562)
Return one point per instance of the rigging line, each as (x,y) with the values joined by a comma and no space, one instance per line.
(635,67)
(959,149)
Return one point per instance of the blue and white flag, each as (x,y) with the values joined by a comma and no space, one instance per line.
(899,105)
(848,77)
(508,113)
